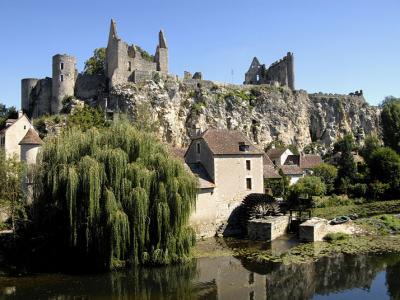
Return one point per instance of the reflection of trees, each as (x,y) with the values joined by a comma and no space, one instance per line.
(393,281)
(172,282)
(327,275)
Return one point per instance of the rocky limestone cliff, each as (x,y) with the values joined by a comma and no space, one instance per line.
(263,112)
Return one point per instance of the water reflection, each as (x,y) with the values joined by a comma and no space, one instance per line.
(221,278)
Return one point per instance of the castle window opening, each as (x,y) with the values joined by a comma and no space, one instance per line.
(248,165)
(62,66)
(129,66)
(198,147)
(24,126)
(61,78)
(248,183)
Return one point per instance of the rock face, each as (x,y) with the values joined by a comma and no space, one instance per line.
(264,113)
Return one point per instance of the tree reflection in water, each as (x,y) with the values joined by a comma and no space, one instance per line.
(224,277)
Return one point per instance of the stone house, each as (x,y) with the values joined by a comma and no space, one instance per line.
(229,167)
(293,166)
(278,155)
(13,133)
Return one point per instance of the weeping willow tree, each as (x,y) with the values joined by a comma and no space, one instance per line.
(114,196)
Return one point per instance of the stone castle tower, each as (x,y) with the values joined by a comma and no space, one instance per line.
(124,63)
(129,63)
(279,73)
(63,83)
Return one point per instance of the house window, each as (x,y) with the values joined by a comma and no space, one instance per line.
(198,147)
(24,126)
(61,78)
(129,66)
(248,165)
(62,66)
(248,183)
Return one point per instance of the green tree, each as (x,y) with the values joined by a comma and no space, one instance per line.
(328,174)
(307,187)
(347,168)
(371,144)
(113,196)
(385,164)
(11,193)
(86,118)
(144,118)
(390,117)
(96,64)
(7,113)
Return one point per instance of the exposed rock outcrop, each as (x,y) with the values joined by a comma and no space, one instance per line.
(264,113)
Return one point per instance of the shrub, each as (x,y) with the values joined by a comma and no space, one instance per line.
(328,174)
(336,236)
(306,187)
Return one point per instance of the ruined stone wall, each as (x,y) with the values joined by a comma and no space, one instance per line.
(89,86)
(27,85)
(281,71)
(41,97)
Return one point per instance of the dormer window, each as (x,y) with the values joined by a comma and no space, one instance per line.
(243,147)
(62,66)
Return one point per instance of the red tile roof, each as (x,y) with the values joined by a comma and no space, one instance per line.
(291,170)
(270,172)
(275,153)
(223,141)
(31,138)
(309,161)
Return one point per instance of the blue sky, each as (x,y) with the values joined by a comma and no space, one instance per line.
(339,45)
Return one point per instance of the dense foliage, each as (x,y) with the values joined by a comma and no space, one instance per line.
(114,196)
(7,113)
(307,187)
(385,164)
(347,168)
(328,174)
(390,117)
(95,65)
(86,117)
(12,196)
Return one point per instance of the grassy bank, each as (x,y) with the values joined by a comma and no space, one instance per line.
(362,210)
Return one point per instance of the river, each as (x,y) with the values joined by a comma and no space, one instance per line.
(224,277)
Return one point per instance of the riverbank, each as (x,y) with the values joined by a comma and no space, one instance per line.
(374,235)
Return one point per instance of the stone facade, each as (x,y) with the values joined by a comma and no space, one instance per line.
(232,175)
(12,134)
(124,63)
(267,229)
(280,73)
(313,230)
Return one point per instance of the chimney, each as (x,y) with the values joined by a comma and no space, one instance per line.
(20,114)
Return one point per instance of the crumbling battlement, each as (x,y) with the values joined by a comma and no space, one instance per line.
(124,63)
(279,73)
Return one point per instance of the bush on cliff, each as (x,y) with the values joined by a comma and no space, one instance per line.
(112,196)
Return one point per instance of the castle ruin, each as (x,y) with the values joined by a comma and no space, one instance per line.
(280,73)
(124,63)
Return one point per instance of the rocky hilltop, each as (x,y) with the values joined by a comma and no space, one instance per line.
(264,113)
